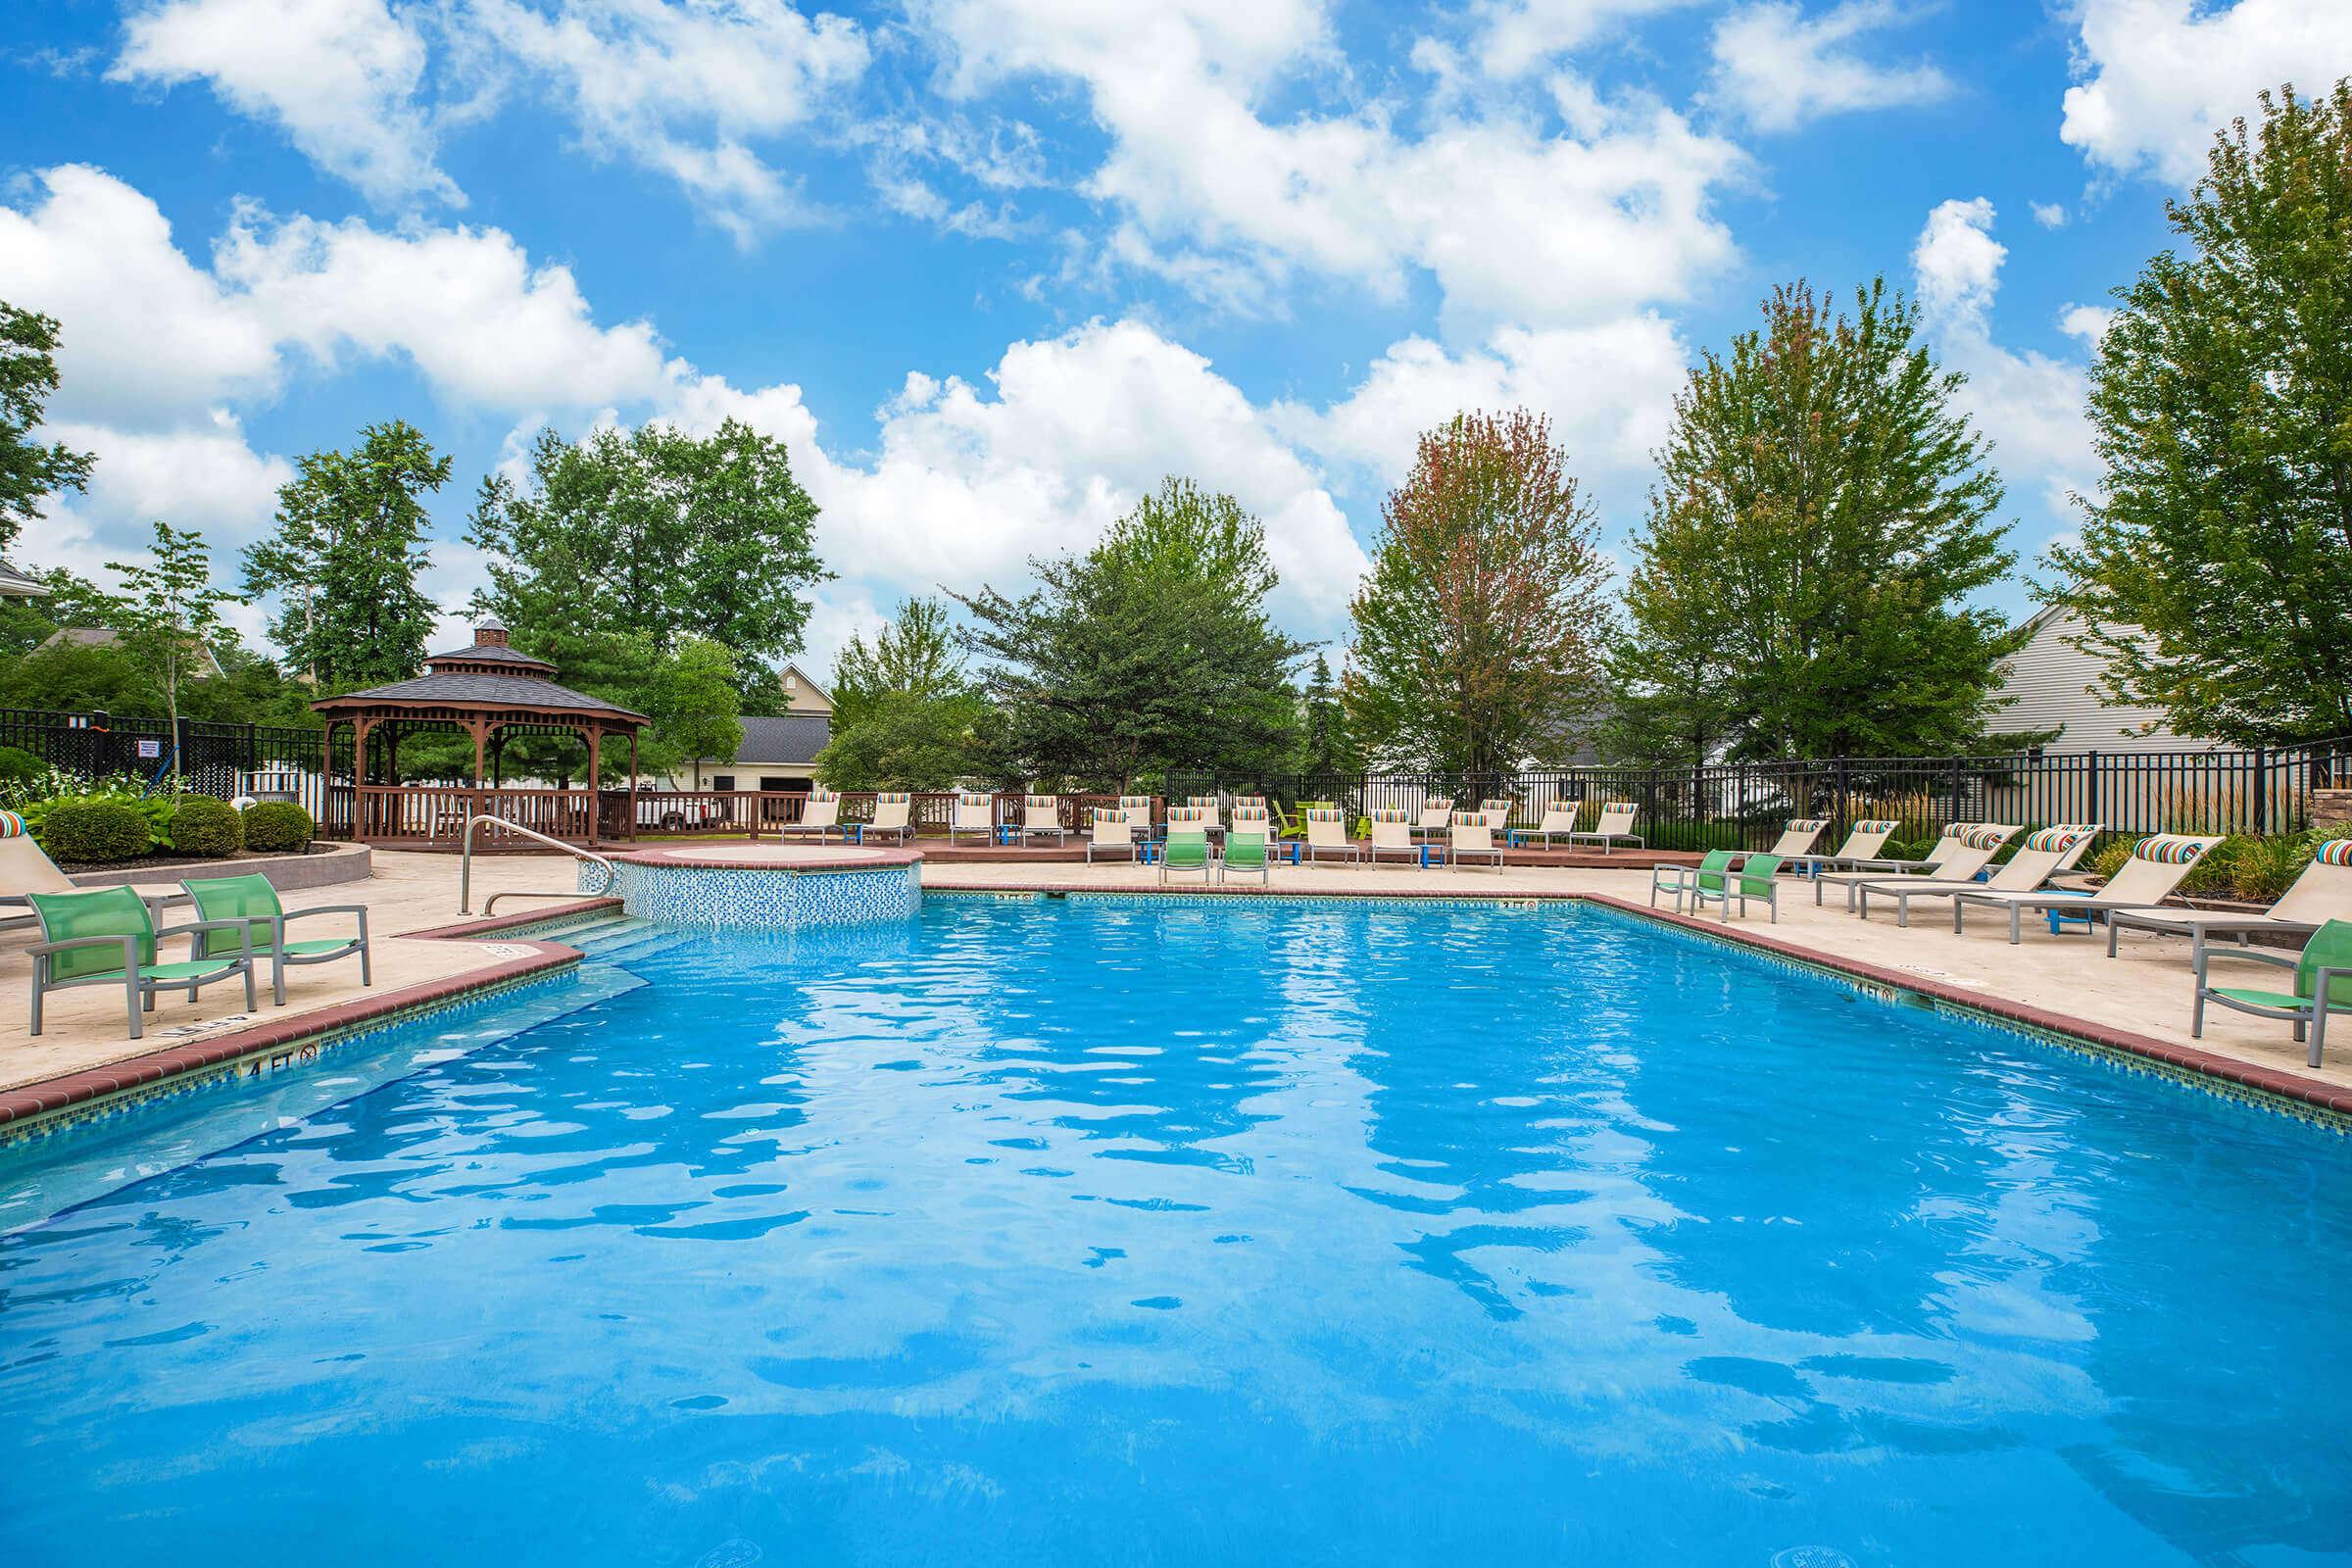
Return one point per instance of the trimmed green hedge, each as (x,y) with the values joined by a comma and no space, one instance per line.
(278,827)
(95,831)
(206,828)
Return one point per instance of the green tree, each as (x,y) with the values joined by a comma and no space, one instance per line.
(695,710)
(1476,632)
(652,532)
(1151,652)
(1325,744)
(2213,574)
(343,563)
(169,613)
(29,471)
(1823,512)
(904,709)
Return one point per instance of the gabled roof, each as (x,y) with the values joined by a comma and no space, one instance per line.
(14,584)
(783,737)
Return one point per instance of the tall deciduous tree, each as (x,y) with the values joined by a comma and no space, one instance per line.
(1823,512)
(1151,652)
(343,563)
(2214,569)
(652,532)
(1476,633)
(28,470)
(695,710)
(168,613)
(905,713)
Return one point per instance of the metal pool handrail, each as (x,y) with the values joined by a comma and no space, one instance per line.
(466,865)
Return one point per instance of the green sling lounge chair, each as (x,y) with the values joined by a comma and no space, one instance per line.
(2323,985)
(251,899)
(106,937)
(1753,882)
(1679,880)
(1184,850)
(1246,852)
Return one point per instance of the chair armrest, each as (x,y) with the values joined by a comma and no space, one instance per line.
(2207,953)
(358,909)
(129,943)
(243,928)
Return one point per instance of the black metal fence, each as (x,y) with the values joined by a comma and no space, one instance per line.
(226,760)
(1744,804)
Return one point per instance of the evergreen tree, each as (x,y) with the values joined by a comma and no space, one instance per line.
(2214,569)
(343,563)
(1325,745)
(29,471)
(1822,514)
(1476,633)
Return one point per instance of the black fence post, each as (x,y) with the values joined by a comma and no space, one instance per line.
(2090,786)
(2262,789)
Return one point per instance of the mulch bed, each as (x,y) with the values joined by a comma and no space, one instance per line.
(182,863)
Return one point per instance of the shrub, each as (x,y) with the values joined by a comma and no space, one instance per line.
(2111,856)
(278,827)
(95,831)
(2267,866)
(206,827)
(18,766)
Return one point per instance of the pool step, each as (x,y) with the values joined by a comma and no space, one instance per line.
(627,939)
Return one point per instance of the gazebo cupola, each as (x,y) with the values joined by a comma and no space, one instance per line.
(491,691)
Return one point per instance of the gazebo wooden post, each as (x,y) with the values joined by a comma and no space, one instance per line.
(632,786)
(595,789)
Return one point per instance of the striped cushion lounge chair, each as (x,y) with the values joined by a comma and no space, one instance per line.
(1139,810)
(1558,820)
(1498,814)
(1797,839)
(1114,834)
(2038,858)
(1472,837)
(1392,835)
(2156,868)
(1251,815)
(107,937)
(1680,881)
(1327,834)
(1615,827)
(894,818)
(820,815)
(975,813)
(1436,815)
(1209,804)
(1040,814)
(1960,852)
(2322,893)
(1863,842)
(2323,985)
(252,900)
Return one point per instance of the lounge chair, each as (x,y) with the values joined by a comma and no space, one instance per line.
(974,814)
(107,937)
(1042,814)
(2322,893)
(1860,851)
(2035,861)
(1472,838)
(1327,834)
(1209,804)
(1616,826)
(1959,852)
(1558,820)
(820,815)
(1139,810)
(1189,818)
(2156,868)
(1436,815)
(1498,816)
(252,900)
(2323,985)
(894,817)
(1796,840)
(24,869)
(1186,850)
(1755,880)
(1393,834)
(1250,816)
(1114,834)
(1680,881)
(1245,855)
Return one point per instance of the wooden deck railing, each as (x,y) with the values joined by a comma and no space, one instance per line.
(432,812)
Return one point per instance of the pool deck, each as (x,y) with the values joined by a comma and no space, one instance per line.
(2138,1001)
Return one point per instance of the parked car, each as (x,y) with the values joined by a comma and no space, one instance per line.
(667,810)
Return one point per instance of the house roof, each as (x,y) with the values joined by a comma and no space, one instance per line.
(14,584)
(783,737)
(108,637)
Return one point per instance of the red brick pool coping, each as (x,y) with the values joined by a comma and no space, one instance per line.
(859,860)
(2313,1091)
(91,1083)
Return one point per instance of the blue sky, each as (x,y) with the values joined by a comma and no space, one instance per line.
(992,266)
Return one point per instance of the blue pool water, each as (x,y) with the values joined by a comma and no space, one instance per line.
(1059,1232)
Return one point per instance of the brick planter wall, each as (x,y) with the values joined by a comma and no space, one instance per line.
(2330,808)
(344,863)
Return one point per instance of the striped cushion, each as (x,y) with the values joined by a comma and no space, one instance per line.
(1876,824)
(892,798)
(1199,800)
(1621,805)
(2060,838)
(1131,801)
(1385,814)
(1188,813)
(817,792)
(1958,830)
(1807,824)
(1248,813)
(1440,802)
(2335,851)
(12,826)
(1325,813)
(1040,800)
(1983,838)
(1110,816)
(2168,848)
(967,798)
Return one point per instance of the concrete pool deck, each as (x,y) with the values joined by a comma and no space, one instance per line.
(2061,982)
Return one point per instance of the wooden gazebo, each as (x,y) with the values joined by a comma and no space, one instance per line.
(493,693)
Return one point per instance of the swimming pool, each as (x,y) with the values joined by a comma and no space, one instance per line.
(1167,1233)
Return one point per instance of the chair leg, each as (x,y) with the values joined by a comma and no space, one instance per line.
(2016,924)
(37,987)
(251,1004)
(2318,1029)
(277,979)
(133,993)
(2196,1014)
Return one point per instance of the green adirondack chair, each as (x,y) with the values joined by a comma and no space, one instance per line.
(1184,850)
(2323,985)
(1754,880)
(107,937)
(1684,881)
(252,900)
(1246,852)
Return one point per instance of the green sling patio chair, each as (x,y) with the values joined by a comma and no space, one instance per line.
(1754,882)
(252,900)
(107,937)
(2323,985)
(1184,850)
(1246,852)
(1679,880)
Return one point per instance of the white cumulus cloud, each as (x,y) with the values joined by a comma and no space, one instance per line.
(1778,68)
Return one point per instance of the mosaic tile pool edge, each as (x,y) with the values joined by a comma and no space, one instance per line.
(739,898)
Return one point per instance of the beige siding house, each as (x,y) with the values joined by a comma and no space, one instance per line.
(803,695)
(2047,684)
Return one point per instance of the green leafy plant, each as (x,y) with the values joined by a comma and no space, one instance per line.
(278,827)
(2267,866)
(2109,858)
(95,831)
(205,827)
